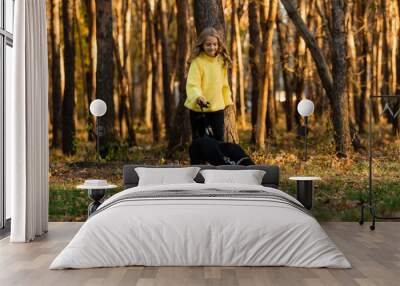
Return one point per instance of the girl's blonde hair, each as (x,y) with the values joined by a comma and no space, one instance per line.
(210,31)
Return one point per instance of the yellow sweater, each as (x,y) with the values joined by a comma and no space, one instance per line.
(208,78)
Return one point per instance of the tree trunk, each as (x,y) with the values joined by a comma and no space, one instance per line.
(234,54)
(119,44)
(352,70)
(394,39)
(148,86)
(147,68)
(91,73)
(254,61)
(209,13)
(83,107)
(340,116)
(385,51)
(284,57)
(237,63)
(265,99)
(105,69)
(180,131)
(155,114)
(68,123)
(169,102)
(365,67)
(158,100)
(271,106)
(394,43)
(55,72)
(376,62)
(240,71)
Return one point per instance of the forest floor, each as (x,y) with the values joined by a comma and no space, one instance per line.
(344,181)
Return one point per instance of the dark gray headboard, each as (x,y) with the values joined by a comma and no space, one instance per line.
(271,177)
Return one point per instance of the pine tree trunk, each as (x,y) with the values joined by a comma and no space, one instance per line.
(365,68)
(234,54)
(376,63)
(394,33)
(352,71)
(394,45)
(240,71)
(271,106)
(266,97)
(385,51)
(146,63)
(55,72)
(145,68)
(131,63)
(91,73)
(284,57)
(81,97)
(180,131)
(169,102)
(153,46)
(158,99)
(148,86)
(105,70)
(209,13)
(68,123)
(340,116)
(254,61)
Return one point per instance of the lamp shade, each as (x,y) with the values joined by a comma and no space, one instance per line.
(98,107)
(305,107)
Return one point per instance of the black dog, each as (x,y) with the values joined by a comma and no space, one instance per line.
(209,150)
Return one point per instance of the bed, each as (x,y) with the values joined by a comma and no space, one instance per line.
(198,224)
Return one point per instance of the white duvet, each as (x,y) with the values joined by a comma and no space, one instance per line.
(200,231)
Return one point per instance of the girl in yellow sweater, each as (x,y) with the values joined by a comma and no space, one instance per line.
(207,84)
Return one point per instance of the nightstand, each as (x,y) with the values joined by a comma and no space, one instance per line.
(96,190)
(305,190)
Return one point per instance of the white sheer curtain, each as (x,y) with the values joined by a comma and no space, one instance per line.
(26,124)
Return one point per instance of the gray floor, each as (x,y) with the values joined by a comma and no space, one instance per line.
(375,257)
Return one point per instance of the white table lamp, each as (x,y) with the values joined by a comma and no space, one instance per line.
(98,108)
(305,108)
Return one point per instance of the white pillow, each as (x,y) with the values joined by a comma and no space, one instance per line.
(249,177)
(164,176)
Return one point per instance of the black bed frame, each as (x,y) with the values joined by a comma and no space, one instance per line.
(270,179)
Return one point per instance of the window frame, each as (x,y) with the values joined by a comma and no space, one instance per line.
(6,39)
